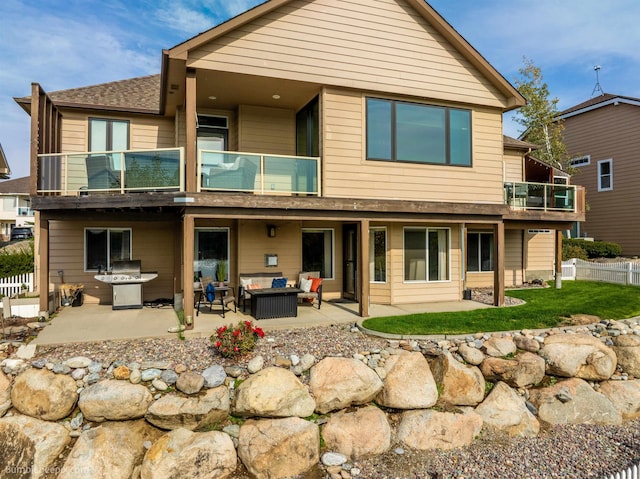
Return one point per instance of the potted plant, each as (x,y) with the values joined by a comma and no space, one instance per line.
(221,272)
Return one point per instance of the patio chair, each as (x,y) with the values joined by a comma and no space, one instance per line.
(213,296)
(240,176)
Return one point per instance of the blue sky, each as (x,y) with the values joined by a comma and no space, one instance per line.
(72,43)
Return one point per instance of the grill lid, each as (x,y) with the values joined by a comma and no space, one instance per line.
(126,267)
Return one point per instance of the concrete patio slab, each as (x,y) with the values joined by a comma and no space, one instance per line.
(93,322)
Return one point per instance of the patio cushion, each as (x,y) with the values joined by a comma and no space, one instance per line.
(244,282)
(253,286)
(305,285)
(279,283)
(315,283)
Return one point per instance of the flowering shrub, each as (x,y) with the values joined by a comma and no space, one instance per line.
(231,341)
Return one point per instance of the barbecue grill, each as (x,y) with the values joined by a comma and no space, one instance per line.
(126,281)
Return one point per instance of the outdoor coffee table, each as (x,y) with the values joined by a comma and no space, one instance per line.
(268,303)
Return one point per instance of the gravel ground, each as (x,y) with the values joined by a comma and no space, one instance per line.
(581,451)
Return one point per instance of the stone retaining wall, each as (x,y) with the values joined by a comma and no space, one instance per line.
(150,421)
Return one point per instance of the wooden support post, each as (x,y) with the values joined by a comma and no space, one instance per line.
(191,153)
(498,266)
(43,263)
(558,275)
(188,224)
(363,269)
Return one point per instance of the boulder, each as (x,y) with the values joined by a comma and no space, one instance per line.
(175,412)
(408,383)
(214,376)
(29,445)
(524,370)
(112,450)
(573,401)
(45,395)
(499,347)
(278,448)
(627,349)
(337,383)
(5,394)
(357,434)
(504,409)
(526,343)
(185,454)
(78,362)
(114,400)
(428,429)
(273,392)
(190,382)
(578,355)
(471,355)
(625,396)
(460,384)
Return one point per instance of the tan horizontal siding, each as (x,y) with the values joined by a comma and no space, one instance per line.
(513,166)
(540,255)
(271,130)
(153,243)
(479,279)
(513,258)
(344,160)
(609,133)
(379,45)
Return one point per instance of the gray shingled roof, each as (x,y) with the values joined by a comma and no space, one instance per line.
(509,142)
(15,186)
(141,94)
(595,100)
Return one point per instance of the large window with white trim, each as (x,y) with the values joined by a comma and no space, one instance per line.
(479,252)
(317,251)
(426,254)
(605,175)
(103,246)
(418,133)
(378,255)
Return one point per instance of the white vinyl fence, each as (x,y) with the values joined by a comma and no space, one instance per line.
(13,284)
(619,273)
(631,473)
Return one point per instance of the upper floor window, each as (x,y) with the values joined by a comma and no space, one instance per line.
(581,161)
(413,132)
(605,175)
(108,135)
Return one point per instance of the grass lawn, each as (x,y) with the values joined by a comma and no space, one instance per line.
(544,308)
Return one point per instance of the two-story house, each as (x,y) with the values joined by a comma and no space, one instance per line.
(601,135)
(359,139)
(15,206)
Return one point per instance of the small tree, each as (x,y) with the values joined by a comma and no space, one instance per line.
(539,117)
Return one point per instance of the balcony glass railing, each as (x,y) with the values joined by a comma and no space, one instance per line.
(540,196)
(111,172)
(258,173)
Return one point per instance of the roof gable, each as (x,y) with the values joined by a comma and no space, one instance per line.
(17,186)
(326,38)
(599,101)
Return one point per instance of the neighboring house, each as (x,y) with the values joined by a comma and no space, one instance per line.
(15,206)
(602,136)
(359,139)
(5,171)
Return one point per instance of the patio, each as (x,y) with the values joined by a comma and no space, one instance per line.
(93,322)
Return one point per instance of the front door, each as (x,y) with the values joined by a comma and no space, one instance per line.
(350,267)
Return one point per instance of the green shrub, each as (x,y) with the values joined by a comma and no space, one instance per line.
(12,264)
(595,249)
(573,251)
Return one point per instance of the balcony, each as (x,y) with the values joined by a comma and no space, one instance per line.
(544,197)
(24,211)
(115,172)
(260,174)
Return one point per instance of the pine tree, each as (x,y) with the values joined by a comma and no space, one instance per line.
(538,117)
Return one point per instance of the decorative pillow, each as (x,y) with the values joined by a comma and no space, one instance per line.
(279,283)
(210,292)
(305,285)
(315,284)
(253,286)
(244,282)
